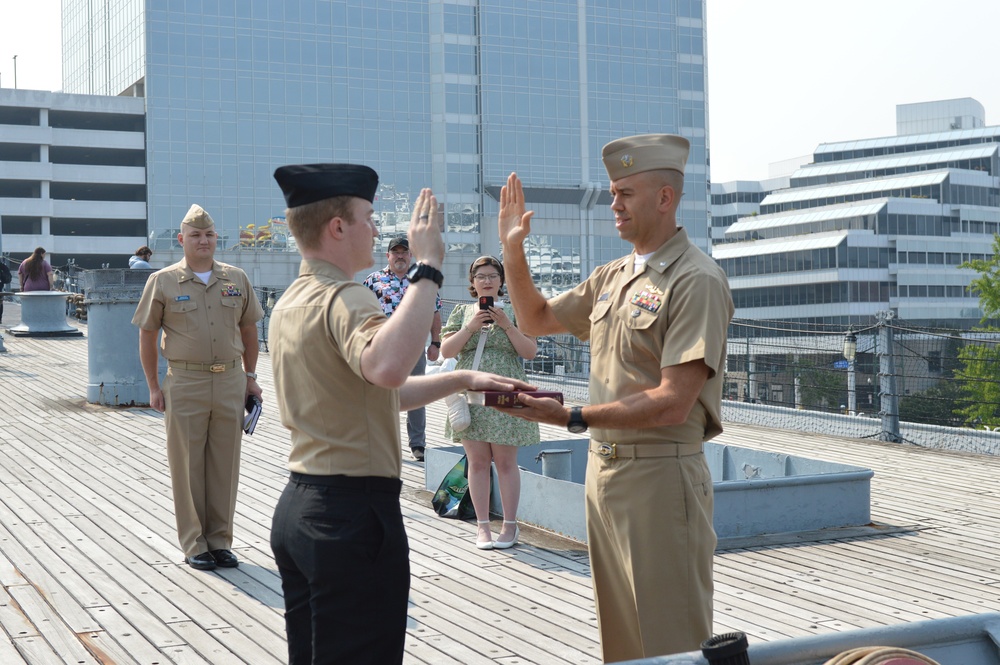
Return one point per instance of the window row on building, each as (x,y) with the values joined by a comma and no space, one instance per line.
(811,294)
(929,200)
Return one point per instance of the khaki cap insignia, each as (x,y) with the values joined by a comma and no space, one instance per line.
(646,152)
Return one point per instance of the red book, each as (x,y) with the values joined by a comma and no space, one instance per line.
(506,399)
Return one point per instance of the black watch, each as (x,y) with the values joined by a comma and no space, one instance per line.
(419,271)
(437,344)
(576,424)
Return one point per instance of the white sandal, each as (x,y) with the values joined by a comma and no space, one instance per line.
(484,544)
(505,544)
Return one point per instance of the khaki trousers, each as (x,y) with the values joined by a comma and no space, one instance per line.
(204,422)
(651,541)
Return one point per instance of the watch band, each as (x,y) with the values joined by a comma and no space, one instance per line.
(252,375)
(576,424)
(420,271)
(437,344)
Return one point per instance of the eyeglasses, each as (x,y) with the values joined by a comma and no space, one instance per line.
(487,277)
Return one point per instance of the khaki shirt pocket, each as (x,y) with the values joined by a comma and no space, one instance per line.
(640,342)
(599,322)
(233,311)
(182,316)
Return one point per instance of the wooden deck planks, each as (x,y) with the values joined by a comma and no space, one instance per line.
(91,573)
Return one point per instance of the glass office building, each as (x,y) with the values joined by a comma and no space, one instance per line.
(449,94)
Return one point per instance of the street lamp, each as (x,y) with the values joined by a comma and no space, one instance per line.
(15,72)
(850,353)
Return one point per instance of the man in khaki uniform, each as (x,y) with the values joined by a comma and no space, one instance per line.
(341,376)
(208,313)
(656,321)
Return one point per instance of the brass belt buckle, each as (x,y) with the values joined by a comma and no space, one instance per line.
(217,367)
(607,451)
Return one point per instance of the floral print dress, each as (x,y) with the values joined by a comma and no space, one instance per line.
(499,357)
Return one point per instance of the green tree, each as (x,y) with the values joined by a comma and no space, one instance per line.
(822,387)
(979,383)
(938,405)
(980,362)
(988,283)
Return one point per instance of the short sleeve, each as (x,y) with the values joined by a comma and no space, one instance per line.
(455,320)
(700,311)
(149,313)
(353,319)
(252,311)
(572,309)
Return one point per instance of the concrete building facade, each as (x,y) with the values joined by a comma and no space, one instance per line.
(870,225)
(72,176)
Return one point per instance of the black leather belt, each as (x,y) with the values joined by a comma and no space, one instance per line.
(357,483)
(635,450)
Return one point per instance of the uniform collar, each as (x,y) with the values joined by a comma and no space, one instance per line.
(187,274)
(321,267)
(664,256)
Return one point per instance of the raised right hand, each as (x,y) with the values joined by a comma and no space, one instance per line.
(513,223)
(426,223)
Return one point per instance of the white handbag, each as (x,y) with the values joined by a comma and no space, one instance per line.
(458,408)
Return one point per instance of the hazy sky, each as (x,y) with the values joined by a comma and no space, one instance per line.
(784,75)
(787,75)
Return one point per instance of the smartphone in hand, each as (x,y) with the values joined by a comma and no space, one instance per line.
(485,302)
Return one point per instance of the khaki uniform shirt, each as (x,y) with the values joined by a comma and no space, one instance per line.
(200,323)
(340,423)
(675,310)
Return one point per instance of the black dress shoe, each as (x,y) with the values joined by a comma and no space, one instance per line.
(418,454)
(225,558)
(203,561)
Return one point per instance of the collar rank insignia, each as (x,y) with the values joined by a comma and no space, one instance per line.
(646,300)
(230,289)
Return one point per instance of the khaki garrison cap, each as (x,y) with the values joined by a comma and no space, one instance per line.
(198,218)
(646,152)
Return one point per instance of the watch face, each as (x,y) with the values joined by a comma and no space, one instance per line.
(577,428)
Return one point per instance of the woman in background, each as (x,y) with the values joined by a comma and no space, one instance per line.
(493,436)
(35,272)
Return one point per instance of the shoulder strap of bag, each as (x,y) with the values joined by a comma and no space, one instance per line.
(479,349)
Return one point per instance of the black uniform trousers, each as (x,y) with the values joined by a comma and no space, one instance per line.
(342,553)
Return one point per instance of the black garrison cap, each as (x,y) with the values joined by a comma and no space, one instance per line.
(308,183)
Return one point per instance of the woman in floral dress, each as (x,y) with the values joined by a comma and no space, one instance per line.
(493,435)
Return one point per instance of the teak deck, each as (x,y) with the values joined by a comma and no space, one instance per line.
(91,571)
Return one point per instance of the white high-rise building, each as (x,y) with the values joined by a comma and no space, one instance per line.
(870,225)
